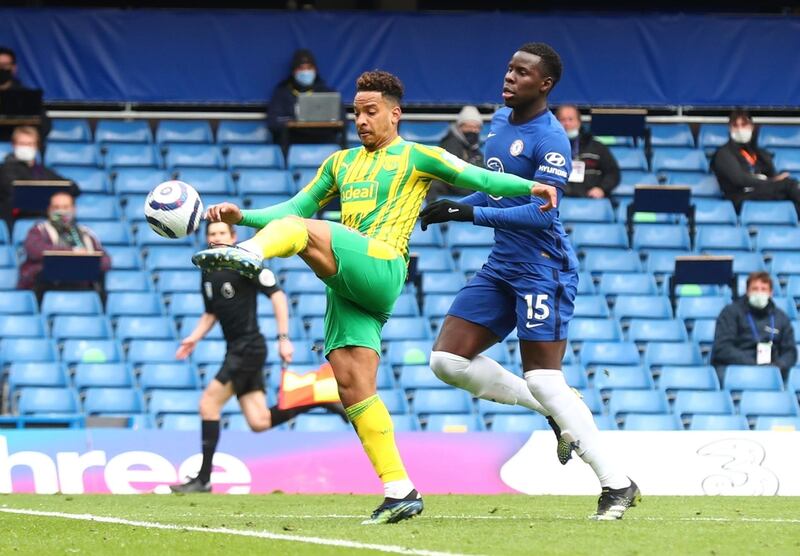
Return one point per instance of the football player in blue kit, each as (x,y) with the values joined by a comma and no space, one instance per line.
(528,282)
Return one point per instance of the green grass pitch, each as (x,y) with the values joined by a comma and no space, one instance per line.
(201,525)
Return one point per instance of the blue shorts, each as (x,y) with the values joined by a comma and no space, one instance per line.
(538,300)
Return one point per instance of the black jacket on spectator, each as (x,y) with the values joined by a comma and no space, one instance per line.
(456,144)
(602,169)
(14,169)
(734,343)
(281,109)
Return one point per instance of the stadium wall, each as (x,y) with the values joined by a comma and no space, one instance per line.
(745,463)
(238,56)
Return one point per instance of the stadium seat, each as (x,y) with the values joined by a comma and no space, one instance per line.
(785,263)
(406,306)
(778,238)
(765,423)
(454,422)
(177,374)
(518,422)
(612,377)
(207,181)
(703,331)
(642,307)
(409,352)
(671,135)
(239,131)
(71,154)
(591,398)
(8,278)
(406,328)
(311,305)
(693,402)
(184,422)
(714,211)
(487,408)
(426,132)
(598,235)
(661,236)
(90,351)
(752,377)
(108,375)
(302,281)
(183,131)
(442,282)
(173,401)
(609,353)
(255,156)
(586,284)
(81,326)
(100,209)
(713,422)
(704,307)
(630,158)
(22,326)
(434,259)
(439,400)
(713,136)
(309,156)
(715,237)
(395,400)
(605,422)
(591,306)
(631,178)
(89,179)
(166,257)
(575,375)
(121,131)
(655,330)
(145,327)
(626,283)
(145,236)
(111,232)
(761,213)
(583,329)
(624,401)
(787,160)
(131,154)
(75,130)
(133,303)
(437,305)
(71,303)
(5,235)
(8,257)
(265,181)
(312,422)
(47,400)
(137,180)
(611,260)
(153,351)
(652,422)
(659,354)
(183,155)
(98,401)
(124,257)
(464,235)
(677,377)
(574,209)
(20,302)
(21,374)
(212,352)
(170,281)
(760,402)
(679,159)
(772,136)
(128,281)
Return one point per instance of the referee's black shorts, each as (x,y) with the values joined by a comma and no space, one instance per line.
(244,367)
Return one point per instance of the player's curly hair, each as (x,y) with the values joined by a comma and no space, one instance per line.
(551,62)
(389,85)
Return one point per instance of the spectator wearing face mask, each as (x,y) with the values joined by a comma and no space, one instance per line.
(746,172)
(753,331)
(21,164)
(595,172)
(8,70)
(60,232)
(463,141)
(303,79)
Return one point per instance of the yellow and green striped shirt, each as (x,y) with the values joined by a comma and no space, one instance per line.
(381,192)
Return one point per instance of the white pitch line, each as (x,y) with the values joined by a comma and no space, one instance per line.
(237,532)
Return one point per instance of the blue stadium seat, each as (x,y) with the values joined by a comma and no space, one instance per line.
(111,232)
(165,257)
(787,160)
(467,235)
(785,263)
(778,238)
(89,179)
(487,408)
(406,328)
(177,374)
(714,211)
(642,307)
(752,377)
(771,136)
(124,257)
(305,353)
(624,401)
(91,351)
(518,422)
(454,422)
(20,231)
(693,402)
(186,422)
(312,305)
(133,303)
(761,402)
(255,156)
(426,132)
(591,306)
(573,209)
(793,287)
(173,401)
(5,235)
(591,398)
(138,180)
(630,158)
(439,400)
(212,352)
(613,377)
(184,131)
(21,374)
(442,282)
(183,155)
(654,330)
(145,236)
(47,400)
(765,423)
(20,302)
(575,375)
(71,154)
(170,281)
(722,237)
(631,178)
(406,306)
(434,259)
(121,131)
(671,135)
(395,400)
(660,236)
(107,375)
(128,281)
(101,209)
(207,181)
(265,181)
(153,351)
(302,281)
(145,327)
(76,130)
(713,136)
(677,377)
(309,156)
(239,131)
(609,353)
(437,305)
(594,329)
(626,283)
(586,284)
(704,307)
(131,154)
(81,326)
(22,326)
(611,260)
(8,278)
(409,352)
(598,235)
(652,422)
(703,331)
(761,213)
(253,201)
(71,303)
(659,354)
(605,422)
(713,422)
(309,422)
(679,159)
(8,257)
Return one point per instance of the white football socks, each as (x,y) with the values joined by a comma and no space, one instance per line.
(484,378)
(398,489)
(577,424)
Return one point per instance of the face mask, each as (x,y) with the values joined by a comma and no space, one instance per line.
(6,75)
(471,137)
(573,133)
(62,218)
(758,300)
(742,135)
(305,78)
(25,154)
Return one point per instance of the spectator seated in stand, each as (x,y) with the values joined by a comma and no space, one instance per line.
(463,141)
(10,82)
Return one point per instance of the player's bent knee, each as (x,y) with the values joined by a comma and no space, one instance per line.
(450,368)
(209,408)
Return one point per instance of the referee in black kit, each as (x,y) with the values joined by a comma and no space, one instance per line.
(230,298)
